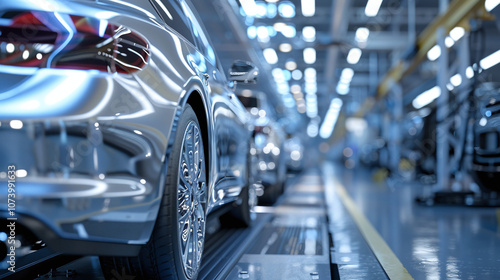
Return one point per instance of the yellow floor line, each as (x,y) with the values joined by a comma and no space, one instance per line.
(386,257)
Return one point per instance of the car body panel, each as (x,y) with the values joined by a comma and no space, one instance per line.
(95,145)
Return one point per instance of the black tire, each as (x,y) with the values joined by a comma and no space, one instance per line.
(241,214)
(161,257)
(273,192)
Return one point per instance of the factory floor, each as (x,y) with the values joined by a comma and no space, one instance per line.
(335,223)
(431,242)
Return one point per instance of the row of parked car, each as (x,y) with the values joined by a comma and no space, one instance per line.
(121,133)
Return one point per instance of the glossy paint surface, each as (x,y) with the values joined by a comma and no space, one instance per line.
(93,145)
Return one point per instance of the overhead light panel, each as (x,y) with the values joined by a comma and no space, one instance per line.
(347,74)
(490,61)
(457,33)
(279,26)
(295,89)
(287,74)
(309,55)
(426,97)
(491,4)
(372,7)
(263,34)
(456,80)
(469,72)
(362,34)
(286,9)
(270,56)
(289,31)
(261,10)
(249,7)
(331,118)
(291,65)
(343,86)
(356,125)
(449,42)
(354,55)
(309,33)
(285,47)
(310,73)
(272,10)
(308,7)
(252,32)
(296,74)
(434,53)
(342,89)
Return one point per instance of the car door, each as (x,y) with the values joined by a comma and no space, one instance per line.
(230,117)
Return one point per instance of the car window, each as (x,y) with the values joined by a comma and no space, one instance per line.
(173,15)
(249,101)
(202,42)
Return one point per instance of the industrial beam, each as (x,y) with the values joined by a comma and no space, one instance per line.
(459,12)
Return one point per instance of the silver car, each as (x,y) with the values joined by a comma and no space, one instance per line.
(269,145)
(119,132)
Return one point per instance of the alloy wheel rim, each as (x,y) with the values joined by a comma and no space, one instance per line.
(191,200)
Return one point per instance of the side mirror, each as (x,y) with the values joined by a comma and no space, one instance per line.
(243,71)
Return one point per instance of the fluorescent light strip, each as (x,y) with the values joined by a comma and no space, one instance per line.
(309,55)
(270,56)
(426,97)
(490,61)
(456,80)
(354,55)
(309,33)
(491,4)
(249,7)
(372,7)
(331,118)
(308,8)
(434,53)
(362,34)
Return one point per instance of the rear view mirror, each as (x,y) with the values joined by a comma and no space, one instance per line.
(243,71)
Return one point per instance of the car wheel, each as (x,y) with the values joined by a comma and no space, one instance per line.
(176,245)
(273,192)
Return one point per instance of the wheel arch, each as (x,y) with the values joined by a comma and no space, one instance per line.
(196,102)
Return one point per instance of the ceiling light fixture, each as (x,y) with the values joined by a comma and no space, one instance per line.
(249,7)
(309,33)
(490,61)
(362,34)
(285,47)
(434,53)
(372,7)
(270,56)
(353,56)
(309,55)
(426,97)
(291,65)
(308,8)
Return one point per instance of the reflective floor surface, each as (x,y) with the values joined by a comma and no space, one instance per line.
(310,234)
(432,242)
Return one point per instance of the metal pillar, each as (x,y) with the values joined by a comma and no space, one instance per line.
(372,86)
(442,151)
(443,6)
(412,33)
(395,131)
